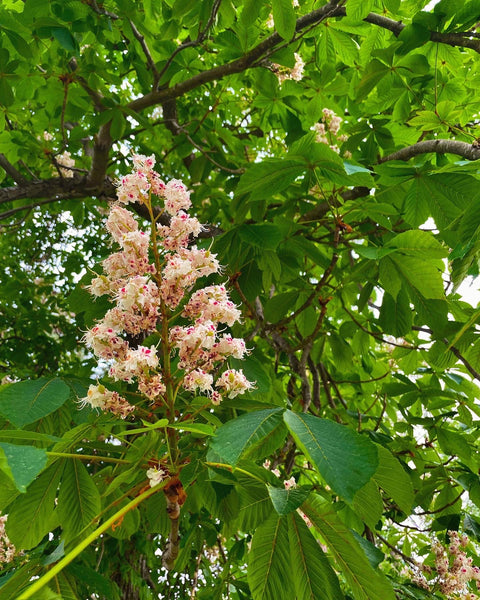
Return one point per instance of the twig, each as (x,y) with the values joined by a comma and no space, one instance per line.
(454,350)
(437,510)
(146,51)
(396,550)
(202,34)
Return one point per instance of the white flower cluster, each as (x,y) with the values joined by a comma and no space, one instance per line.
(146,295)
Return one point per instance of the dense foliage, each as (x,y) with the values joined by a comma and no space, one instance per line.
(331,152)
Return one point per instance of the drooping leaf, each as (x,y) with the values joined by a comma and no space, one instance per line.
(286,500)
(270,176)
(255,503)
(79,499)
(393,479)
(27,401)
(268,570)
(284,18)
(368,504)
(32,516)
(24,463)
(313,576)
(262,430)
(365,582)
(344,458)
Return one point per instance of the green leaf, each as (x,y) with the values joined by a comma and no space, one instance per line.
(285,501)
(394,480)
(313,577)
(65,38)
(201,428)
(27,401)
(24,462)
(8,490)
(279,305)
(118,125)
(425,276)
(268,571)
(31,516)
(261,431)
(413,36)
(419,244)
(263,235)
(6,93)
(396,315)
(306,321)
(375,555)
(148,427)
(365,582)
(344,458)
(454,443)
(19,580)
(255,503)
(269,177)
(368,504)
(65,585)
(27,436)
(78,501)
(374,73)
(284,18)
(359,9)
(19,44)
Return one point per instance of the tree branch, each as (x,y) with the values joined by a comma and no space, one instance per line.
(202,34)
(236,66)
(473,372)
(62,188)
(11,170)
(101,150)
(452,39)
(468,151)
(146,51)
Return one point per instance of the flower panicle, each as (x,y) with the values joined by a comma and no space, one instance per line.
(145,295)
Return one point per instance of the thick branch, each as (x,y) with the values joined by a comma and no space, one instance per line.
(468,151)
(62,187)
(101,152)
(11,170)
(461,39)
(250,59)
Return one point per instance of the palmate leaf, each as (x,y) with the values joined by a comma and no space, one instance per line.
(269,561)
(255,504)
(261,431)
(64,586)
(285,501)
(365,583)
(344,458)
(284,18)
(27,401)
(313,577)
(394,480)
(273,175)
(31,515)
(396,315)
(24,463)
(368,504)
(10,590)
(79,499)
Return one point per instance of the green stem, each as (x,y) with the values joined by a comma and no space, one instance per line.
(66,560)
(89,457)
